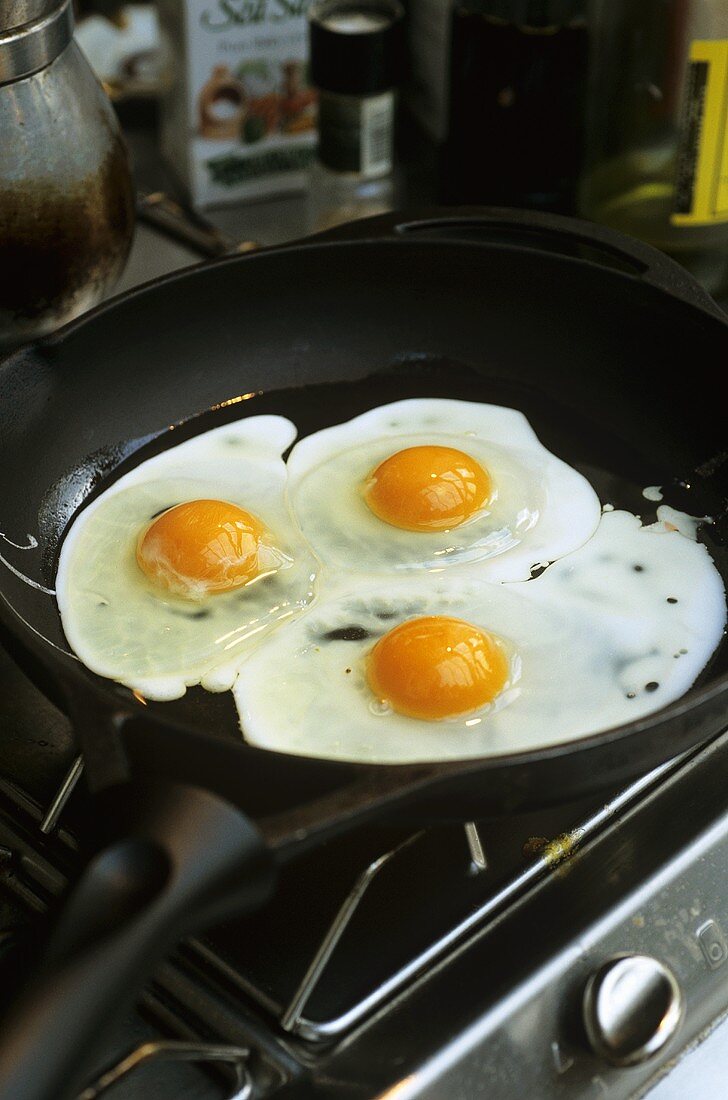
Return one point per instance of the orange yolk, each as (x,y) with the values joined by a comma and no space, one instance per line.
(200,547)
(436,667)
(427,488)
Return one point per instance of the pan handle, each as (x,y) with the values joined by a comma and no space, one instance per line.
(189,859)
(538,232)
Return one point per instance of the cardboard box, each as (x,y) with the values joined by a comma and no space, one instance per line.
(239,118)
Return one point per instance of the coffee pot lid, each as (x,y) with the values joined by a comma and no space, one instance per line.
(32,34)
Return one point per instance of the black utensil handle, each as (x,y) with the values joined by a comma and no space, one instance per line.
(539,232)
(189,859)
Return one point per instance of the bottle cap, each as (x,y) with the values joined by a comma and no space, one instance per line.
(357,46)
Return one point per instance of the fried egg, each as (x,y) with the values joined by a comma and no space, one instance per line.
(399,671)
(171,575)
(426,483)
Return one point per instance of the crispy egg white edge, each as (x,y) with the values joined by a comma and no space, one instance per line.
(271,435)
(546,540)
(405,740)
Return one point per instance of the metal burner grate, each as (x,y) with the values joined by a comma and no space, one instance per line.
(167,1051)
(353,963)
(357,964)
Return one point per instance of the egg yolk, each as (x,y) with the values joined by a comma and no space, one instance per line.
(427,488)
(437,667)
(201,547)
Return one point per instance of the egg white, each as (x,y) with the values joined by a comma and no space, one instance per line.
(542,508)
(122,625)
(590,638)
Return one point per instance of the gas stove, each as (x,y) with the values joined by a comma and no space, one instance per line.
(575,952)
(578,952)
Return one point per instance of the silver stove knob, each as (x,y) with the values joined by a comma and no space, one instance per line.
(632,1007)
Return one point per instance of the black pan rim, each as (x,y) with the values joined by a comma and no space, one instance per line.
(315,244)
(613,736)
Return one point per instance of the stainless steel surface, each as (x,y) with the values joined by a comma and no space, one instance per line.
(495,902)
(159,210)
(700,1071)
(66,213)
(29,47)
(16,13)
(632,1008)
(153,255)
(612,898)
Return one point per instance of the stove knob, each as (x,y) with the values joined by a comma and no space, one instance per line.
(632,1007)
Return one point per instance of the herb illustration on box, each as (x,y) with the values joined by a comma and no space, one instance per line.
(258,99)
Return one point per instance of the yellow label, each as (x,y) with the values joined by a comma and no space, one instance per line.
(702,165)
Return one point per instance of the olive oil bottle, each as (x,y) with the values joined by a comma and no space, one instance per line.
(657,129)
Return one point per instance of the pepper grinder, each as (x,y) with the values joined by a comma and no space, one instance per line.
(66,200)
(357,58)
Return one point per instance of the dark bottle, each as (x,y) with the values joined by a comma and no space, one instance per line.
(517,91)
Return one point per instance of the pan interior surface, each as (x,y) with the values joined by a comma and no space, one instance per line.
(583,352)
(617,471)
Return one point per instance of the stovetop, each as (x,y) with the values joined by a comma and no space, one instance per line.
(445,965)
(432,964)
